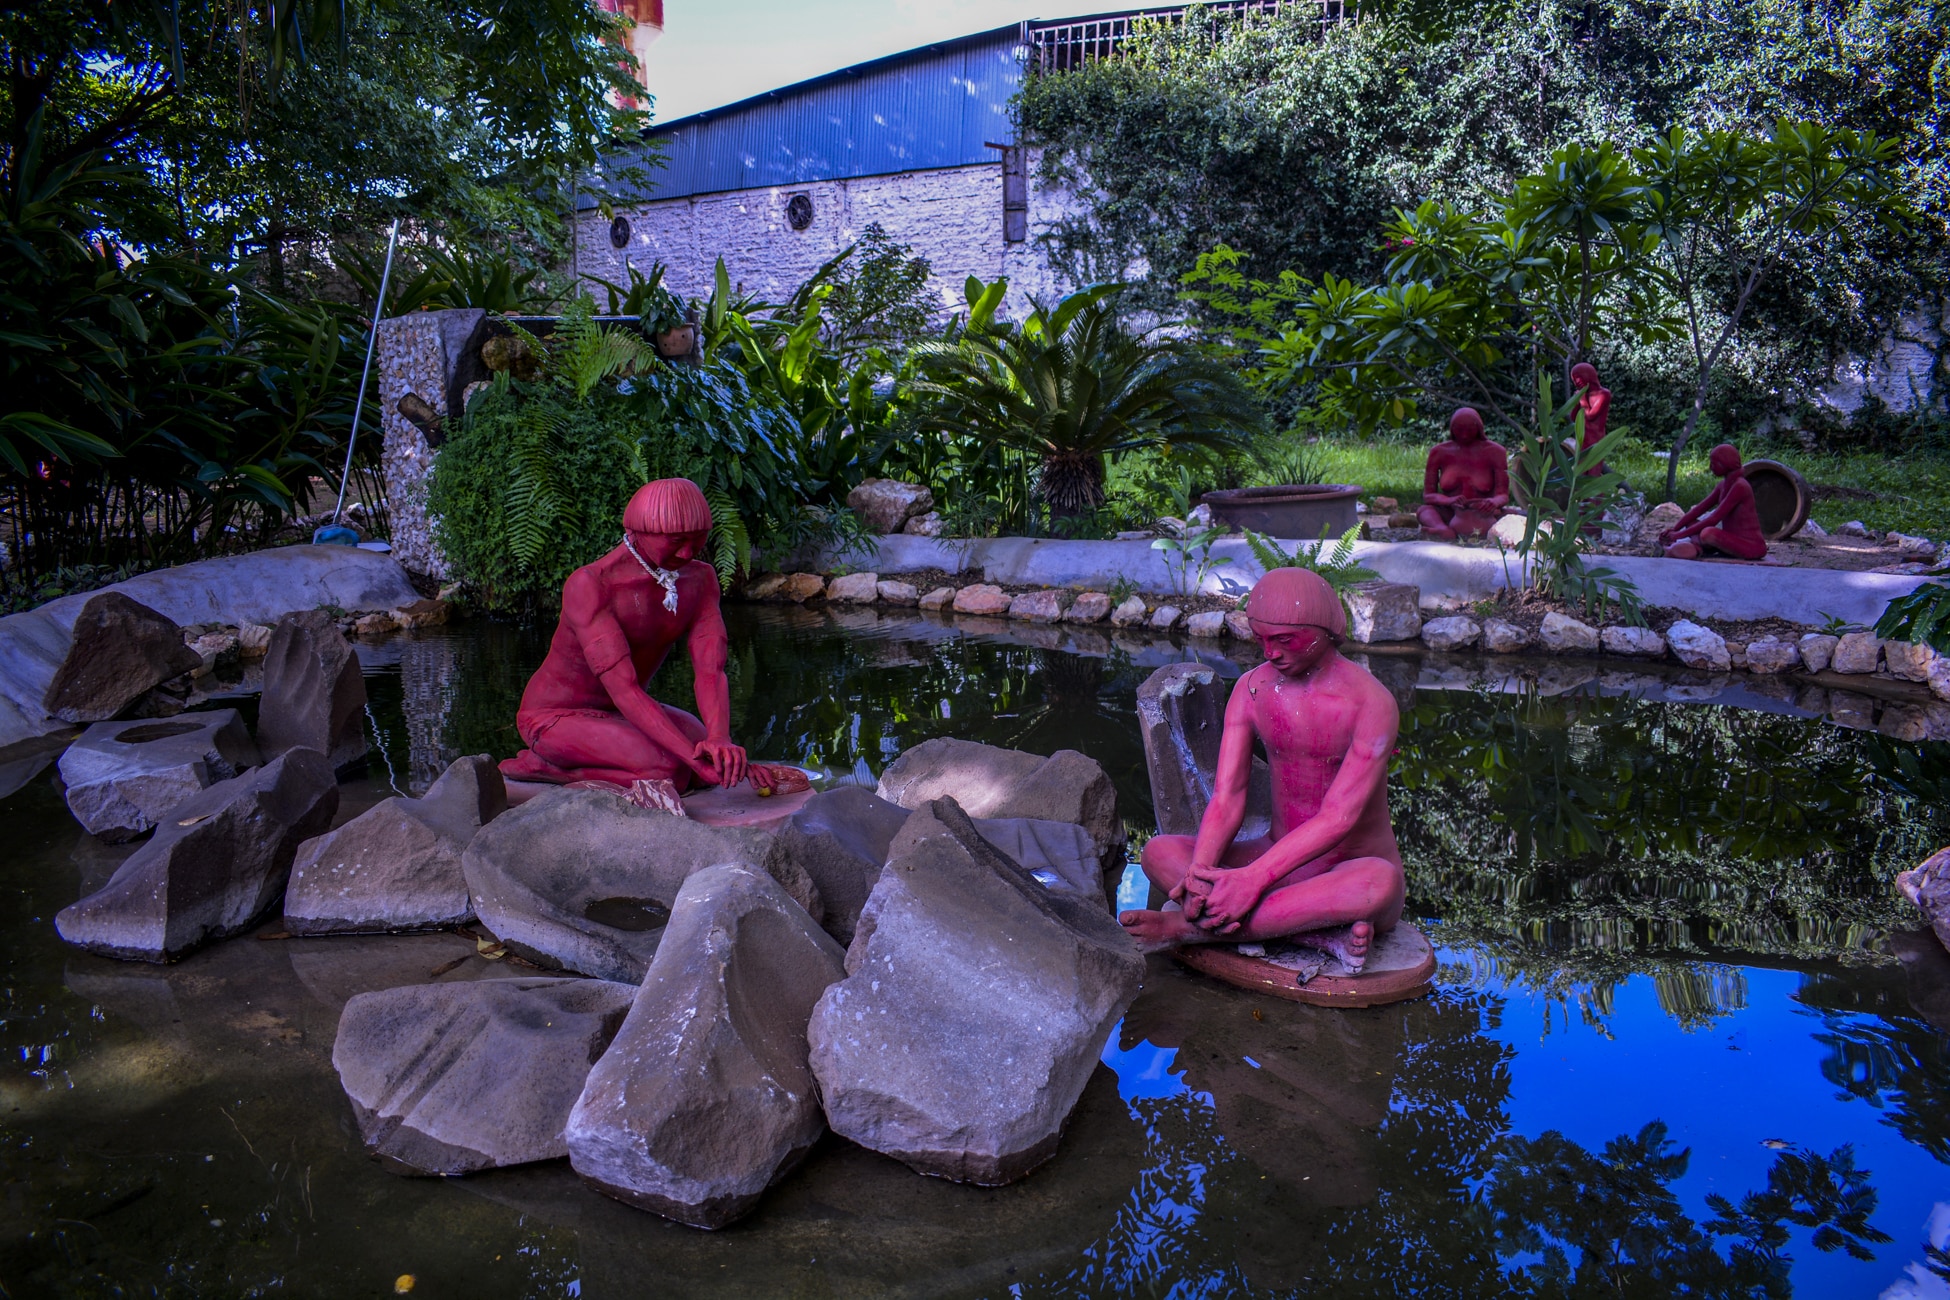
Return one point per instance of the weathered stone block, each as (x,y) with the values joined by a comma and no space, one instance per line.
(1453,633)
(1089,607)
(1383,611)
(1044,606)
(1817,651)
(454,1078)
(314,696)
(854,589)
(1636,642)
(975,1007)
(706,1097)
(1857,653)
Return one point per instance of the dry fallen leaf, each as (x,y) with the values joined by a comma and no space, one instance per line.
(200,817)
(403,1283)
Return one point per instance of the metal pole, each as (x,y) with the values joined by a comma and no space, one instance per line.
(365,375)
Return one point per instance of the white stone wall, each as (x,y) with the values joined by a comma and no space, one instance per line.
(1902,373)
(952,216)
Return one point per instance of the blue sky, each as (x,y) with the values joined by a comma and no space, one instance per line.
(715,52)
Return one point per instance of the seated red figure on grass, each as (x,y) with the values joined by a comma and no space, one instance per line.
(586,717)
(1330,863)
(1726,523)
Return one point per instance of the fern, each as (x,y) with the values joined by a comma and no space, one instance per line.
(1337,565)
(534,507)
(731,540)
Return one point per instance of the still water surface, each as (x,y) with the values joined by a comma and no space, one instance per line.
(1684,1039)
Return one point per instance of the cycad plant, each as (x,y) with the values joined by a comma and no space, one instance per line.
(1072,385)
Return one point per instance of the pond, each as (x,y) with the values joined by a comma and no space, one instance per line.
(1685,1037)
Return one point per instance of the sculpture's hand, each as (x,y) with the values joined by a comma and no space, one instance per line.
(1219,898)
(719,761)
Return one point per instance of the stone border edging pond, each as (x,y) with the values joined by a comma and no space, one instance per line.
(1447,573)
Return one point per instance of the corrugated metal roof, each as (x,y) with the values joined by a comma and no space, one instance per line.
(938,106)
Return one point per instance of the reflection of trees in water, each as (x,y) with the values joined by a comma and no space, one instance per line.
(1570,836)
(1884,1056)
(1426,1193)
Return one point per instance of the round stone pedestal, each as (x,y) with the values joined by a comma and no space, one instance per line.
(1400,967)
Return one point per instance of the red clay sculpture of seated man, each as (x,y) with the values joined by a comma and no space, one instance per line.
(1467,482)
(1331,861)
(1726,523)
(586,716)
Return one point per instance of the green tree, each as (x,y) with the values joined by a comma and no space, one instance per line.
(1072,385)
(1727,207)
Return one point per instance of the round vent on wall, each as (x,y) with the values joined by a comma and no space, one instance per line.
(798,211)
(619,232)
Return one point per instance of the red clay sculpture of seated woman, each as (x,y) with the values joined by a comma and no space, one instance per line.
(586,717)
(1331,861)
(1467,482)
(1726,523)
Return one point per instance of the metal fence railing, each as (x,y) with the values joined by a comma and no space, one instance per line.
(1060,46)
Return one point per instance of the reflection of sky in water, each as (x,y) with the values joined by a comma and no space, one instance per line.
(1726,1090)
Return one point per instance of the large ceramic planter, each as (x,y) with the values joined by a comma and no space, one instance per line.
(1292,511)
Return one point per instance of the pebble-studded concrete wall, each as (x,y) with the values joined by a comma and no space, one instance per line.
(417,354)
(952,216)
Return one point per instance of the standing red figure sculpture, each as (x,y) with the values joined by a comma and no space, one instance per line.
(585,715)
(1594,399)
(1726,523)
(1467,481)
(1328,728)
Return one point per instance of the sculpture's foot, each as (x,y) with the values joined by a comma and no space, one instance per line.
(1160,931)
(1682,551)
(1348,943)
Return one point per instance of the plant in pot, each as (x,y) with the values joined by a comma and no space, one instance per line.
(660,314)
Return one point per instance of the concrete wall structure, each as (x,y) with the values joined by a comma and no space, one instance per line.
(953,216)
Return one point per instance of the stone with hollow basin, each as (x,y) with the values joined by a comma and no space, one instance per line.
(583,879)
(122,778)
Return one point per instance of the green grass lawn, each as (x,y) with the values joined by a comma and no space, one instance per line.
(1912,490)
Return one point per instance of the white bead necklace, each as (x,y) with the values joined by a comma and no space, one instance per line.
(665,577)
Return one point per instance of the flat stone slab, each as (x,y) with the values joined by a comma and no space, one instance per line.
(122,778)
(451,1078)
(1400,967)
(744,806)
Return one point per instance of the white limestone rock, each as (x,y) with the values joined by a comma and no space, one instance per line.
(1633,642)
(1771,655)
(1383,611)
(1698,647)
(1453,633)
(1564,635)
(1857,653)
(1504,638)
(1817,650)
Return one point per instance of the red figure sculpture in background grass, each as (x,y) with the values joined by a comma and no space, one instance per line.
(1726,523)
(1594,399)
(1467,482)
(586,716)
(1331,861)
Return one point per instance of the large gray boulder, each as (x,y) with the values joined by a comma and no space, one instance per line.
(314,695)
(705,1099)
(1928,886)
(585,880)
(975,1007)
(122,778)
(839,839)
(217,864)
(841,836)
(991,782)
(117,650)
(396,867)
(451,1078)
